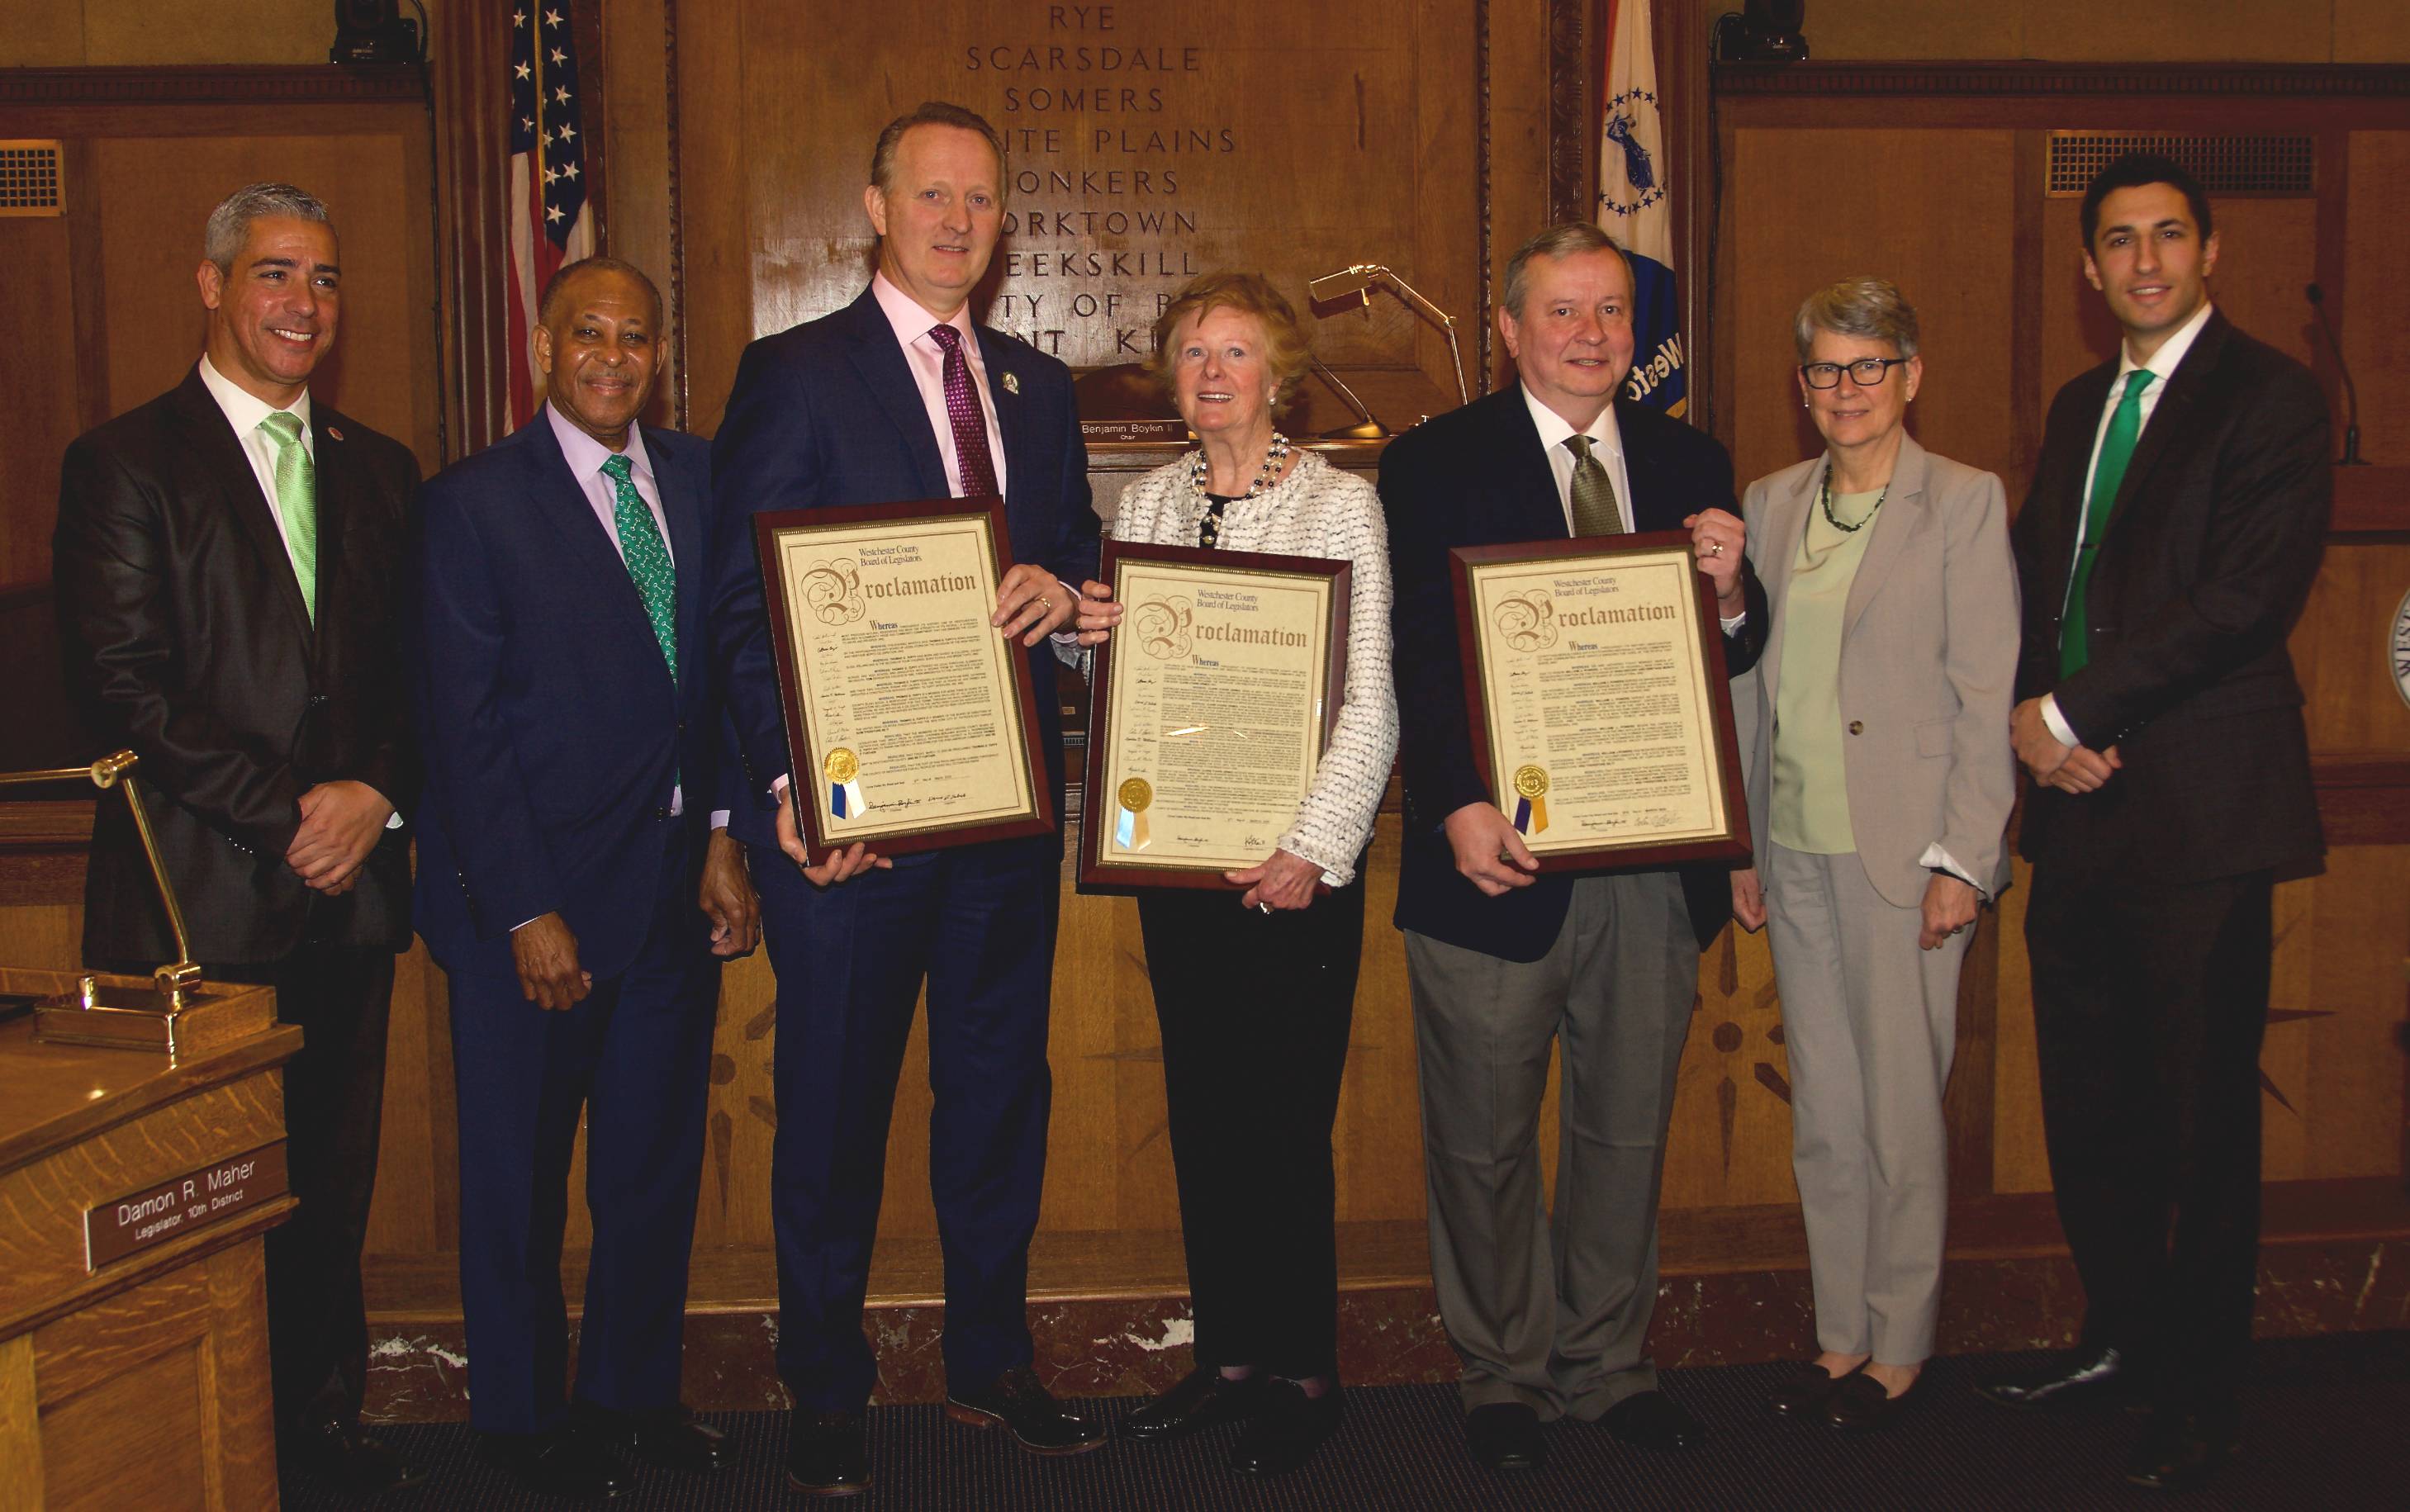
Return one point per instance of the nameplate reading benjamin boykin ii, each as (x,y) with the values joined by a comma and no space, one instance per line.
(177,1207)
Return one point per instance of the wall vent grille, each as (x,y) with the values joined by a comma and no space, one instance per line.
(29,179)
(2260,164)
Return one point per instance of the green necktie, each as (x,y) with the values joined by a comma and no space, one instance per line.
(647,559)
(2117,450)
(297,502)
(1593,492)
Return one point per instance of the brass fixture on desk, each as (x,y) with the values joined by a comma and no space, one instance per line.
(101,1012)
(1357,278)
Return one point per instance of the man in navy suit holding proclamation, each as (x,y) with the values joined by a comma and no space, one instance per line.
(570,733)
(900,396)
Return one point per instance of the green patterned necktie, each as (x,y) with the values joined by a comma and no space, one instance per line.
(1595,511)
(2116,451)
(647,559)
(297,502)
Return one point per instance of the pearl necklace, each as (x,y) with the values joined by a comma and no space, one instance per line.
(1208,528)
(1833,519)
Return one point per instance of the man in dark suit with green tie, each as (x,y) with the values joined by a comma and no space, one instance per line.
(2176,521)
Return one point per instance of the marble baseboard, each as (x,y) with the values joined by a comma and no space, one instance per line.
(1391,1334)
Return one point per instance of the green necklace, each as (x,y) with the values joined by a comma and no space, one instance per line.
(1835,520)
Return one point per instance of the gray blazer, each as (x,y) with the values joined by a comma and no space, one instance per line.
(1928,668)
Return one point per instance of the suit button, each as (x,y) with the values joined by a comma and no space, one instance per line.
(660,813)
(1857,727)
(317,701)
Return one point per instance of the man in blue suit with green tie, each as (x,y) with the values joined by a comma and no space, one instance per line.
(570,733)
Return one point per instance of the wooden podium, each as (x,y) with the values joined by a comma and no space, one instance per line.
(135,1187)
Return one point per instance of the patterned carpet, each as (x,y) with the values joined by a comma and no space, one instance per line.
(2323,1431)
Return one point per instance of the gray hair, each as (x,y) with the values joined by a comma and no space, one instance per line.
(1871,309)
(1564,239)
(229,225)
(931,113)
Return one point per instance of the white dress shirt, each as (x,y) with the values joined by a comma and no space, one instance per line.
(1606,445)
(244,411)
(2163,363)
(585,457)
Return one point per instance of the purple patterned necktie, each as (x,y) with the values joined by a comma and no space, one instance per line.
(976,464)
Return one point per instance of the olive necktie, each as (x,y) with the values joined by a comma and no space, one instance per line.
(2116,451)
(1595,512)
(647,559)
(297,502)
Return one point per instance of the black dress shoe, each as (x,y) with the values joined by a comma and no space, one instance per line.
(668,1437)
(562,1463)
(828,1453)
(349,1456)
(2179,1449)
(1017,1403)
(1505,1436)
(1802,1394)
(1859,1403)
(2085,1378)
(1202,1398)
(1286,1432)
(1653,1420)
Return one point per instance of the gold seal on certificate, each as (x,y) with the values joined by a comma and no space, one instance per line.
(1213,705)
(920,712)
(1598,713)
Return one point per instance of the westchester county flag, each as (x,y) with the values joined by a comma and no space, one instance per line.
(547,217)
(1632,207)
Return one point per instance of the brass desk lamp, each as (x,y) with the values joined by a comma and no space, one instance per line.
(1357,278)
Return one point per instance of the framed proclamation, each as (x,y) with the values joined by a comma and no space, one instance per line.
(910,720)
(1599,715)
(1213,705)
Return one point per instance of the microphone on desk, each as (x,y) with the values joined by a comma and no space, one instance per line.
(2351,456)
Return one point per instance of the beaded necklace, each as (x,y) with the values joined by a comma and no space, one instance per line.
(1833,519)
(1209,529)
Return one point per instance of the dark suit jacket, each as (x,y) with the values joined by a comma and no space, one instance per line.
(554,733)
(2210,548)
(825,414)
(1478,476)
(184,636)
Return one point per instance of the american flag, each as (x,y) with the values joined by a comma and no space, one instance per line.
(548,219)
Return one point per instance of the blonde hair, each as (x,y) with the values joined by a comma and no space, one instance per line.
(1286,351)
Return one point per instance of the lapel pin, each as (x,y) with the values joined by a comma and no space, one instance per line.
(333,434)
(1013,383)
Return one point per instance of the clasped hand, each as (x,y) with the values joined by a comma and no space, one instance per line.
(340,823)
(2052,764)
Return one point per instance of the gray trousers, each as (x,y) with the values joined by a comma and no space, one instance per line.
(1554,1315)
(1870,1022)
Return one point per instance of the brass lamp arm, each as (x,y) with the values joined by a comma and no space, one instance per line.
(181,976)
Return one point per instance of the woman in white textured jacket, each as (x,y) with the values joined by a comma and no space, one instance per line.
(1254,987)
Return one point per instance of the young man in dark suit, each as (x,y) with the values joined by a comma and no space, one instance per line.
(1550,1321)
(901,396)
(228,568)
(573,887)
(2176,522)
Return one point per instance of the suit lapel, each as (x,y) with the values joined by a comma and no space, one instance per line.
(2070,465)
(1531,508)
(1786,515)
(1902,515)
(879,362)
(224,465)
(337,485)
(557,494)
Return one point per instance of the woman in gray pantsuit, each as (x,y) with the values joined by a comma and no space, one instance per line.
(1875,734)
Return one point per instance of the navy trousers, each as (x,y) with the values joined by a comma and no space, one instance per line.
(978,924)
(638,1051)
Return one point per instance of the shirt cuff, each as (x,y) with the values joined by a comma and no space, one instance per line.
(393,821)
(1936,859)
(2060,730)
(1734,622)
(1070,636)
(720,819)
(779,786)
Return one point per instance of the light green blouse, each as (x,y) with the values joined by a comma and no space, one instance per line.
(1811,803)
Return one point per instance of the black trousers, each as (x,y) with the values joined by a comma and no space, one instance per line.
(334,1110)
(1254,1011)
(2150,1001)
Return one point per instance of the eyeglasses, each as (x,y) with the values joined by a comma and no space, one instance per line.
(1865,372)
